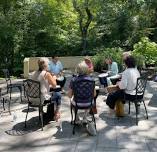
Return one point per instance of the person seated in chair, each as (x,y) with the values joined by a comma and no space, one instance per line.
(55,67)
(112,70)
(83,74)
(46,80)
(127,85)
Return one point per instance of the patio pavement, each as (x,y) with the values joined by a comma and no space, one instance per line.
(114,135)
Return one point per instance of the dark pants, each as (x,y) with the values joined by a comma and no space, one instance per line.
(61,83)
(120,94)
(103,81)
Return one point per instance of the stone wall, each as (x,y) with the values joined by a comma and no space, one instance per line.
(69,63)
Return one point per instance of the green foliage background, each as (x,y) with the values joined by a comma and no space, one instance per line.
(47,27)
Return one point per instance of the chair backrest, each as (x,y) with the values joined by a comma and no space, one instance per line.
(83,92)
(141,85)
(32,89)
(7,76)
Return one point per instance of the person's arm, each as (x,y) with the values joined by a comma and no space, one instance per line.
(94,93)
(70,93)
(51,79)
(123,83)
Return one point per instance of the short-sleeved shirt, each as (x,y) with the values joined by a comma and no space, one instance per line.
(113,68)
(129,80)
(55,68)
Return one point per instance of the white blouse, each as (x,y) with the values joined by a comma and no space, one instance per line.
(40,76)
(129,80)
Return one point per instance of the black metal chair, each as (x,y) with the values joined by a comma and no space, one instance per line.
(33,95)
(11,85)
(83,98)
(139,97)
(4,100)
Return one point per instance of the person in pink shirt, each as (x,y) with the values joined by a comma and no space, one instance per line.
(89,63)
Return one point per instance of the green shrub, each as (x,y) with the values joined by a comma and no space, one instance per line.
(99,58)
(147,50)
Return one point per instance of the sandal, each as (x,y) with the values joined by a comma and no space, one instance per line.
(57,116)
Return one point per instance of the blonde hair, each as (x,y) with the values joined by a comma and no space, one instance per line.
(43,63)
(82,68)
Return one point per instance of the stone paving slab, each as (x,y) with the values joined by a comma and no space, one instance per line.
(114,135)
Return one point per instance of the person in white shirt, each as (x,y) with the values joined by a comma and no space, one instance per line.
(127,85)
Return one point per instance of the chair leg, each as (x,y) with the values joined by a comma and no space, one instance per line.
(93,118)
(129,108)
(145,109)
(136,107)
(71,109)
(10,93)
(20,88)
(9,102)
(3,103)
(75,120)
(41,116)
(26,115)
(7,89)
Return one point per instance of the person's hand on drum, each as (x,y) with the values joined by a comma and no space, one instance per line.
(54,77)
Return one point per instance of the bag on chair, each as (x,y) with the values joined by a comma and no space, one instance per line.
(91,128)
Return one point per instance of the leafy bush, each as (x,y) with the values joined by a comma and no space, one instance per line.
(99,58)
(147,50)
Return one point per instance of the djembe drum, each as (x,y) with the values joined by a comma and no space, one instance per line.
(119,106)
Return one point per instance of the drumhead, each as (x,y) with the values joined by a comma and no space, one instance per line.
(61,78)
(103,75)
(96,87)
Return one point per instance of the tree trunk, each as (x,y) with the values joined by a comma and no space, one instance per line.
(83,27)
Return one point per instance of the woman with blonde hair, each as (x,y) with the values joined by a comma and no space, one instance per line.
(83,74)
(46,81)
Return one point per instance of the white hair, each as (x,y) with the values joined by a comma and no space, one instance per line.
(46,60)
(82,68)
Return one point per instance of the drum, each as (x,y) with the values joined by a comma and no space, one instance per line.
(119,105)
(119,109)
(60,78)
(102,78)
(112,88)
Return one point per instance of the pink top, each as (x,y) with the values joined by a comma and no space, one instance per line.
(90,65)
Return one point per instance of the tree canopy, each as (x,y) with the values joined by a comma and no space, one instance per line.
(72,27)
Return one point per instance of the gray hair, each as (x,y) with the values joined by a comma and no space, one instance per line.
(82,68)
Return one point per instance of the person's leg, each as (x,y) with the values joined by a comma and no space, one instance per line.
(57,99)
(109,81)
(103,81)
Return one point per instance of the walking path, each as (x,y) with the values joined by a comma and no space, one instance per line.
(114,135)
